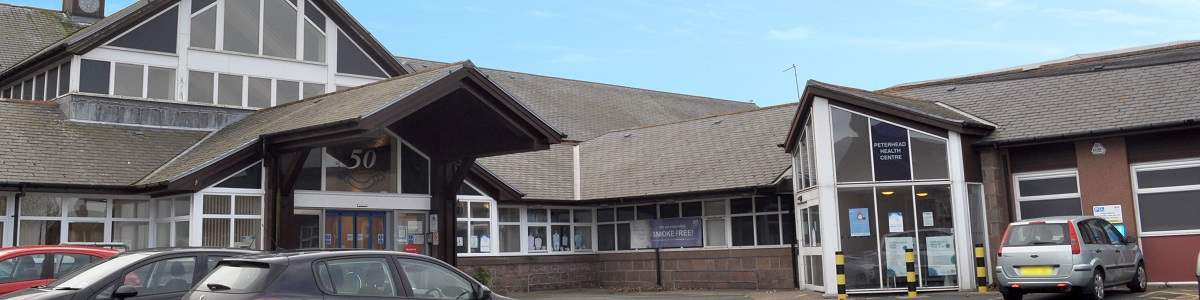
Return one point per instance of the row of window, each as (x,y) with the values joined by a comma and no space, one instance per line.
(1165,193)
(247,91)
(757,221)
(48,84)
(228,220)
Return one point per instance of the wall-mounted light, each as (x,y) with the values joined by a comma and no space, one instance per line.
(1098,149)
(922,194)
(887,193)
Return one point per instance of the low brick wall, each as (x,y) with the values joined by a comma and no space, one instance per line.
(534,273)
(697,269)
(700,269)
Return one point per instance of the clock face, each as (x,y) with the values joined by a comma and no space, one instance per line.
(89,6)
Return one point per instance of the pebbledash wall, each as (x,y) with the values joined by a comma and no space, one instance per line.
(765,268)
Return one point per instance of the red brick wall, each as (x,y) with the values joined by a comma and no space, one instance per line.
(1104,179)
(698,269)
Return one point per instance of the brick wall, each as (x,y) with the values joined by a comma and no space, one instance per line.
(699,269)
(534,273)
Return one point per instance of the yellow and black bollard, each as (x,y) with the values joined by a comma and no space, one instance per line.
(981,268)
(839,262)
(910,277)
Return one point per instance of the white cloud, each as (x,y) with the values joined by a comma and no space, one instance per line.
(790,34)
(574,58)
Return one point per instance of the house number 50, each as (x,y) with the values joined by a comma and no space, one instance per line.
(363,158)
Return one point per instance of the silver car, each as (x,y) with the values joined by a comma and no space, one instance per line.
(1077,254)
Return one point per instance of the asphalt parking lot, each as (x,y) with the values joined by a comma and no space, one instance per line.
(1186,292)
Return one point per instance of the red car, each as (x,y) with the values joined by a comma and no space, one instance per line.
(29,266)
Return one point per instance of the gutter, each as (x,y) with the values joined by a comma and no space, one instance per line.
(22,187)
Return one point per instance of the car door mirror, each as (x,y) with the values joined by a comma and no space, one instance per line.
(125,291)
(1130,239)
(484,294)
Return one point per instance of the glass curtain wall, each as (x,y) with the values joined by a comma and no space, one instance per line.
(893,194)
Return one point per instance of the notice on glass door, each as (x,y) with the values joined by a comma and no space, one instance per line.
(860,222)
(895,222)
(927,218)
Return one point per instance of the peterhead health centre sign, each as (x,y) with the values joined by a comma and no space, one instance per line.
(676,232)
(889,152)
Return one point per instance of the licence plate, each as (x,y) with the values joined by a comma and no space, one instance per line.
(1036,271)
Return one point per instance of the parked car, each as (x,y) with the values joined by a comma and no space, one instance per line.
(1077,254)
(348,274)
(29,266)
(161,273)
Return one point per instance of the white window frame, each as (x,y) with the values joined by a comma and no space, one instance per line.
(1062,173)
(1137,191)
(172,219)
(490,220)
(6,219)
(245,99)
(219,35)
(65,219)
(232,216)
(178,12)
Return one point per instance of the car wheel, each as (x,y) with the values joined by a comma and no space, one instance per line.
(1095,290)
(1012,295)
(1138,283)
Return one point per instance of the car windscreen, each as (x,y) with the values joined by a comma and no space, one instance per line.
(236,277)
(1038,234)
(97,271)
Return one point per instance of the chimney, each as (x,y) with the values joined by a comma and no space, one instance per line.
(84,11)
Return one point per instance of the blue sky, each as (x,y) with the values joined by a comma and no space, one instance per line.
(737,49)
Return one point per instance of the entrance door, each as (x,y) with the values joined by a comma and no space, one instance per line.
(809,229)
(411,232)
(355,229)
(879,223)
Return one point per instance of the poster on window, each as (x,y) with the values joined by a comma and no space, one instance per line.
(860,222)
(639,234)
(939,255)
(895,222)
(889,152)
(894,250)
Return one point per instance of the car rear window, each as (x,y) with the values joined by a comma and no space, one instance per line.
(236,277)
(1040,234)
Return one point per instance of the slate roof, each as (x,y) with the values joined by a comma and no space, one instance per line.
(720,152)
(26,30)
(583,110)
(346,105)
(929,109)
(38,144)
(1124,91)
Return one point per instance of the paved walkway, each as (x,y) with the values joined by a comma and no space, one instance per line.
(1184,293)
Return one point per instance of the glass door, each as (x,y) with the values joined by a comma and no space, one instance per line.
(811,265)
(356,229)
(879,223)
(410,232)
